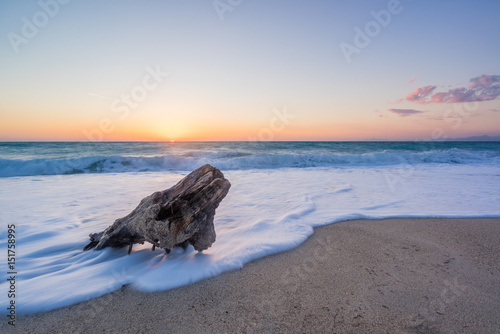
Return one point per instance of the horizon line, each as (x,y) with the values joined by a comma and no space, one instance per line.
(459,139)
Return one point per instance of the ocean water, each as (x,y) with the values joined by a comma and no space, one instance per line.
(57,193)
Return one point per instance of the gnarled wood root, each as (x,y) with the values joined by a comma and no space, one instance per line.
(179,216)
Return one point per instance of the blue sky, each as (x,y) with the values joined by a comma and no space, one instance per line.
(226,78)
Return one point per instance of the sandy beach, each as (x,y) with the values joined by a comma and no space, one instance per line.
(362,276)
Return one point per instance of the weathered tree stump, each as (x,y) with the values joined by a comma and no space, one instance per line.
(179,216)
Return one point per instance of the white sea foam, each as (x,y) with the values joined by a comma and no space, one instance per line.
(266,211)
(236,160)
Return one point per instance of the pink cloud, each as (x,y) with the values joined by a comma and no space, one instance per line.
(482,88)
(454,96)
(405,112)
(484,81)
(420,94)
(412,80)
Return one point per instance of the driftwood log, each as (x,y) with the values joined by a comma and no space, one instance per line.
(179,216)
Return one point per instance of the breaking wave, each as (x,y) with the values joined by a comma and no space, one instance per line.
(234,160)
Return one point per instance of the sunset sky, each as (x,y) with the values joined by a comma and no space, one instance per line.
(246,69)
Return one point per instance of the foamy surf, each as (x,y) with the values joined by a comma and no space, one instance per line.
(90,158)
(266,211)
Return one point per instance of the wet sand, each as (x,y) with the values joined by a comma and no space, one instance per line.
(360,276)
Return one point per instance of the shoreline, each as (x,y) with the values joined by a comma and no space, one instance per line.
(398,275)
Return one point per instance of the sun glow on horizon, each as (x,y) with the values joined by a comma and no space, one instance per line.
(270,72)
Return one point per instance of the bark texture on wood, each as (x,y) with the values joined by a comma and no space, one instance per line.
(179,216)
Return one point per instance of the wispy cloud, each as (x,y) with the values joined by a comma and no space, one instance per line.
(482,88)
(412,80)
(420,95)
(495,110)
(405,112)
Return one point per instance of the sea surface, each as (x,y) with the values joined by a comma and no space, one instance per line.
(57,193)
